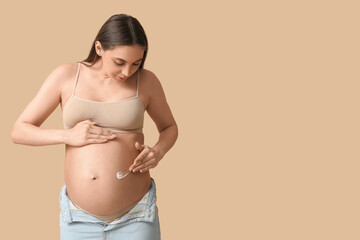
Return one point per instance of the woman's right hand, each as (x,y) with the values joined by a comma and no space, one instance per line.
(86,132)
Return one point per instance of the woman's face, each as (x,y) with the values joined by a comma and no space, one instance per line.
(123,61)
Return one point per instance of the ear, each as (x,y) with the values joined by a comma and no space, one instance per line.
(98,48)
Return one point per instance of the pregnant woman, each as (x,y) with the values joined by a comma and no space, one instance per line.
(108,191)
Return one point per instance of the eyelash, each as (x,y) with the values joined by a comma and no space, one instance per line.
(121,64)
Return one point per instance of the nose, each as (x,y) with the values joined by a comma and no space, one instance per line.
(126,71)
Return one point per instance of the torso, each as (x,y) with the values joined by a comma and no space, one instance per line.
(90,171)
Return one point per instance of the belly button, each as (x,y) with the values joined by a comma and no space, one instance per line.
(93,178)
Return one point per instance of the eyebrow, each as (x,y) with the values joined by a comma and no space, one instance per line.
(125,61)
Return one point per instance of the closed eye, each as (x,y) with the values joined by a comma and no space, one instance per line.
(121,64)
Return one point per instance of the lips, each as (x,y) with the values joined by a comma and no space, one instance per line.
(121,78)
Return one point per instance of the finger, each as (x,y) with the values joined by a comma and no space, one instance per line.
(100,130)
(137,163)
(147,168)
(97,136)
(89,122)
(147,165)
(97,140)
(138,146)
(140,158)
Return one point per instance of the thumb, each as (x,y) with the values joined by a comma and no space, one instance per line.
(138,146)
(90,121)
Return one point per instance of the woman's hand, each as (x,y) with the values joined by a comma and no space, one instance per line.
(148,158)
(86,132)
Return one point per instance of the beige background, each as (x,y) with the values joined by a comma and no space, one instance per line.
(266,96)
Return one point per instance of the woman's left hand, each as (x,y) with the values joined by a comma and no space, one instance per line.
(148,158)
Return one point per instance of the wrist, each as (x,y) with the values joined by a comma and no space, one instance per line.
(64,136)
(159,150)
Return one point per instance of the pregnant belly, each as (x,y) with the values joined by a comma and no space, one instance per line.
(91,175)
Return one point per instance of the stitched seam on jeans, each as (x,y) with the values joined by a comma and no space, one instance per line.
(134,212)
(75,210)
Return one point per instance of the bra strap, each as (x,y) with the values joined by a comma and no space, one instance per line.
(137,88)
(76,78)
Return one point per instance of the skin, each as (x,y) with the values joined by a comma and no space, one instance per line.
(94,154)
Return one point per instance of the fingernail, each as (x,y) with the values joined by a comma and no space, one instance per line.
(113,135)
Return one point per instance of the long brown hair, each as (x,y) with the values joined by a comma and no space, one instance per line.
(119,29)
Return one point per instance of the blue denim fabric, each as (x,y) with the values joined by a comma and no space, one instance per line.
(140,223)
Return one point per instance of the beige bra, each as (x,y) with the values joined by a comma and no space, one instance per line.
(126,115)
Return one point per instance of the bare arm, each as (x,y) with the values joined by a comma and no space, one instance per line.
(159,111)
(26,129)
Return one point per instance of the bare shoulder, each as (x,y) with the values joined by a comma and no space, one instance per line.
(151,90)
(63,76)
(64,72)
(68,68)
(150,81)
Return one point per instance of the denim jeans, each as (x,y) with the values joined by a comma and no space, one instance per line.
(140,223)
